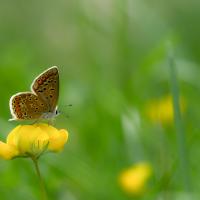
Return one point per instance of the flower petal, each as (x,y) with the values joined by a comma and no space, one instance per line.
(57,140)
(161,110)
(12,137)
(40,143)
(50,130)
(134,179)
(7,152)
(32,139)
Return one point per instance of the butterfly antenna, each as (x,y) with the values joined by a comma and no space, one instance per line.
(65,115)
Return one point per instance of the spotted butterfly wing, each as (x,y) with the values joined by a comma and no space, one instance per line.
(46,86)
(41,102)
(27,106)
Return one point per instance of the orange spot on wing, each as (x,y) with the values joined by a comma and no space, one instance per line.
(44,78)
(39,81)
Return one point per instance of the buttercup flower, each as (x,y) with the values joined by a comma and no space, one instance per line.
(33,141)
(161,110)
(134,179)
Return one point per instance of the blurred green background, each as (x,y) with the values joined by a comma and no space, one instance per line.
(112,58)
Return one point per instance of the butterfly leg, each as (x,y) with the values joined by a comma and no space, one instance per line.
(51,121)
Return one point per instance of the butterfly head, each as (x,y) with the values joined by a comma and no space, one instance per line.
(50,115)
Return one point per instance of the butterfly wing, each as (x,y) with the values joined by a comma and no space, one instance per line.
(46,87)
(27,106)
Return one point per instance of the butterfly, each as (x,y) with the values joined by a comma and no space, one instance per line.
(41,101)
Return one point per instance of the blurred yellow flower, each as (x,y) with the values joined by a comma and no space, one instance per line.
(134,179)
(32,141)
(161,110)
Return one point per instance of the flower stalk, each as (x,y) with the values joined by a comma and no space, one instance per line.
(42,186)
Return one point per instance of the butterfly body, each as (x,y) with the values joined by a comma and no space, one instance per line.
(50,115)
(41,101)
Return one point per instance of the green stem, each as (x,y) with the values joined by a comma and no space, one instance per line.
(42,187)
(180,132)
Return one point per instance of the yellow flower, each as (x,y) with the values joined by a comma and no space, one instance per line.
(32,141)
(162,111)
(134,179)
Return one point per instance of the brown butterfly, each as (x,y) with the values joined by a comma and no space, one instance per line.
(41,102)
